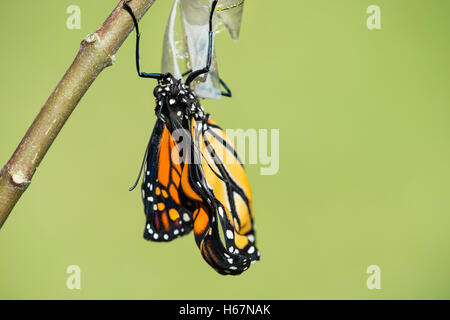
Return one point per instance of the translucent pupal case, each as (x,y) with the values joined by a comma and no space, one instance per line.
(186,39)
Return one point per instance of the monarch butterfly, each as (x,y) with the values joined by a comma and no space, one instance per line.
(193,178)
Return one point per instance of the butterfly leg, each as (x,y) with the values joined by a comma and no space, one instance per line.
(186,73)
(157,76)
(196,73)
(227,92)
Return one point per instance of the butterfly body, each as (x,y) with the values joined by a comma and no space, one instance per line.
(175,101)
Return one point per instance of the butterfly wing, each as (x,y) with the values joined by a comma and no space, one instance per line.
(232,189)
(208,238)
(223,221)
(168,214)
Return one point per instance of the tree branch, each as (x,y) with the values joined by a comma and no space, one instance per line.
(97,52)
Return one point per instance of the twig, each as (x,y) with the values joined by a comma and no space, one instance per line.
(97,52)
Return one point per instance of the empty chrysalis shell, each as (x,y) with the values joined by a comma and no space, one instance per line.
(186,39)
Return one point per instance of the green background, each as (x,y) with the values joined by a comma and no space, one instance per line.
(364,155)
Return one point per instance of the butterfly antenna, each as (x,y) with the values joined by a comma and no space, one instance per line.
(140,171)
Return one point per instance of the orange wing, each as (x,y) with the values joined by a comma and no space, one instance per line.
(168,214)
(219,179)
